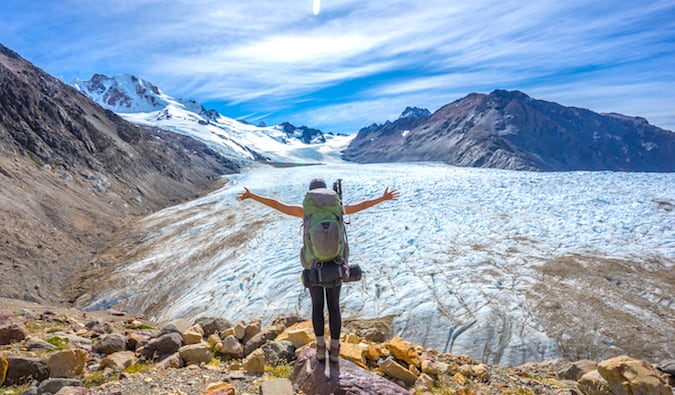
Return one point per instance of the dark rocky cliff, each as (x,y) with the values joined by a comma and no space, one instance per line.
(72,173)
(510,130)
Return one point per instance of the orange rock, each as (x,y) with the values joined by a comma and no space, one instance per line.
(219,388)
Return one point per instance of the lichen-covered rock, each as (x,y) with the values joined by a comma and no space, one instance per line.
(67,363)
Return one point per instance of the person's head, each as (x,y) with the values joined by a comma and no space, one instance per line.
(317,183)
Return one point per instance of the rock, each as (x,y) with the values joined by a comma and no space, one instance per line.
(110,343)
(193,334)
(118,361)
(668,367)
(30,391)
(404,351)
(137,339)
(240,330)
(162,346)
(376,351)
(67,363)
(259,339)
(343,377)
(219,388)
(300,337)
(278,352)
(231,347)
(173,361)
(592,383)
(12,332)
(52,386)
(4,364)
(285,321)
(255,362)
(22,370)
(252,329)
(277,387)
(374,335)
(68,390)
(577,369)
(481,372)
(352,338)
(395,370)
(212,325)
(354,352)
(178,325)
(36,344)
(424,382)
(194,354)
(626,375)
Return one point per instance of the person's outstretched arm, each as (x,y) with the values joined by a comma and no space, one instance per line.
(387,195)
(296,211)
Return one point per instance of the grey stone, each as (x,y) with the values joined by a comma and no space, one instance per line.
(277,387)
(212,325)
(162,346)
(277,353)
(22,370)
(259,339)
(111,343)
(52,386)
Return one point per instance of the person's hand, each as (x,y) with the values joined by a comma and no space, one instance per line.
(390,195)
(244,195)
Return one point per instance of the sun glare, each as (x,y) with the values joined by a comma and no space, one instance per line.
(317,7)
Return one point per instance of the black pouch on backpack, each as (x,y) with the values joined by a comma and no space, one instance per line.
(330,275)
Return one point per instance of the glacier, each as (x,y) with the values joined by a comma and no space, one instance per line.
(496,264)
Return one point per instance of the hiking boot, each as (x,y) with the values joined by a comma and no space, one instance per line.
(321,352)
(334,353)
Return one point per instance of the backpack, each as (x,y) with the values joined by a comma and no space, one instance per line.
(324,234)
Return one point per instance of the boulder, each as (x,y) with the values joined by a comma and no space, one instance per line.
(300,337)
(162,346)
(194,354)
(4,364)
(393,369)
(252,329)
(240,330)
(12,332)
(230,347)
(212,325)
(255,362)
(173,361)
(404,351)
(343,377)
(118,361)
(110,343)
(70,390)
(36,344)
(22,370)
(354,352)
(52,386)
(626,375)
(219,388)
(178,325)
(592,383)
(277,387)
(259,339)
(577,369)
(67,363)
(278,352)
(193,334)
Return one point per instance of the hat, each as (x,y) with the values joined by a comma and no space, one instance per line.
(317,183)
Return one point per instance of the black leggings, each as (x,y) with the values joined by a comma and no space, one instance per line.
(334,318)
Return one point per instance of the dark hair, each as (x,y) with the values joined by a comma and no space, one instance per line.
(317,183)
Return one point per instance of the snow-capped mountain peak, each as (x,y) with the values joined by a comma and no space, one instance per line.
(125,93)
(143,103)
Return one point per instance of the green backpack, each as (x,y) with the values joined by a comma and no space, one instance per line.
(324,233)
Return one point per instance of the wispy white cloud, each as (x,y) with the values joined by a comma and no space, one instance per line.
(365,58)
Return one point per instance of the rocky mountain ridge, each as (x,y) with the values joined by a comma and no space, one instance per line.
(65,351)
(510,130)
(73,174)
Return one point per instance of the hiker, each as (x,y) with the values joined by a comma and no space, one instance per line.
(332,294)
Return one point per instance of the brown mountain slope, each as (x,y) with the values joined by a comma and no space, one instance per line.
(72,174)
(510,130)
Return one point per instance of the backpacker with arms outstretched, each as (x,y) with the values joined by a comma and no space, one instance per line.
(325,250)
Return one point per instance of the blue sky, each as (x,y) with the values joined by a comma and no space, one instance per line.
(358,62)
